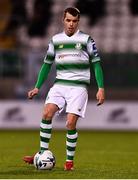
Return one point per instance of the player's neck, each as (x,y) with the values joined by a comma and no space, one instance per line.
(69,35)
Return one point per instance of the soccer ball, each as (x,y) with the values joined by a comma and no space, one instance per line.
(44,160)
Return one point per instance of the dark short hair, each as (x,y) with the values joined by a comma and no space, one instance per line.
(73,11)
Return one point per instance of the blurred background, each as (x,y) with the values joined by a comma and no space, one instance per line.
(26,27)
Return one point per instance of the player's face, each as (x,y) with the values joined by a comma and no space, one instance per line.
(70,24)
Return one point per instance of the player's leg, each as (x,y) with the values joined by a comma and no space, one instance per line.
(76,106)
(46,125)
(53,103)
(71,140)
(45,129)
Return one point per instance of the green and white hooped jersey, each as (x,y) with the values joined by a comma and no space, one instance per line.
(72,56)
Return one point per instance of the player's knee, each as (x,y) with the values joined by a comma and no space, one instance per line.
(70,125)
(47,114)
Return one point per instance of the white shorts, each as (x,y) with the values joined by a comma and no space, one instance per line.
(72,97)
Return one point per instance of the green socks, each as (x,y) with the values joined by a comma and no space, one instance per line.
(71,142)
(45,134)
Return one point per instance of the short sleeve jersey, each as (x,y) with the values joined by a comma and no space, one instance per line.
(73,56)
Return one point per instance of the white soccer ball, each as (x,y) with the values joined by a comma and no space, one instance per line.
(44,160)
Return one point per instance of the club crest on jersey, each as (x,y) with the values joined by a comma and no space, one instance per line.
(78,46)
(60,46)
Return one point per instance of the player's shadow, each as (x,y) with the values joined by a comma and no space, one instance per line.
(29,172)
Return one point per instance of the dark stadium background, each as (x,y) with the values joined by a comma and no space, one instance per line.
(112,24)
(26,27)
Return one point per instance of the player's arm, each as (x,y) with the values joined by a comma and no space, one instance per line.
(42,76)
(44,71)
(96,66)
(100,82)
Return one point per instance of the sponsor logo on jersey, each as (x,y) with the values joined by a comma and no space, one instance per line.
(66,55)
(78,46)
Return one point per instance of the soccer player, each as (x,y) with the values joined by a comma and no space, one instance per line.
(75,54)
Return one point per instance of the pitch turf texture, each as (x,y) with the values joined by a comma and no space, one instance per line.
(99,155)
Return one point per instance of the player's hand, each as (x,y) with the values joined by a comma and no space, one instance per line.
(32,93)
(100,96)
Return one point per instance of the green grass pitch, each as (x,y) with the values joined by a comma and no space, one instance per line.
(99,155)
